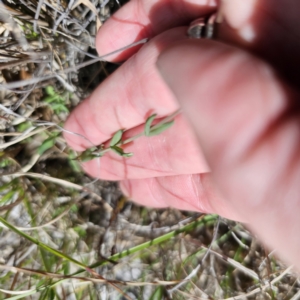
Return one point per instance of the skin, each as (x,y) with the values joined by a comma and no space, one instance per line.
(234,149)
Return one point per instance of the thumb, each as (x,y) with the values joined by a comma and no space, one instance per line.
(239,112)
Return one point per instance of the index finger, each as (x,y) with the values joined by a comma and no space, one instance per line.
(141,19)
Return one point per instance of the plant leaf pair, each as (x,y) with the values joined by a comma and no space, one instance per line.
(155,130)
(116,139)
(120,151)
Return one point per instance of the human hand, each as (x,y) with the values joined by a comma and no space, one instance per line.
(159,172)
(242,109)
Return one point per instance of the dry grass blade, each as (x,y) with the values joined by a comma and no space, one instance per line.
(37,13)
(243,245)
(92,7)
(62,182)
(30,132)
(59,181)
(17,293)
(82,278)
(194,272)
(236,264)
(22,83)
(296,296)
(13,27)
(264,287)
(65,212)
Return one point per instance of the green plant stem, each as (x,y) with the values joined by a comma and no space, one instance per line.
(131,139)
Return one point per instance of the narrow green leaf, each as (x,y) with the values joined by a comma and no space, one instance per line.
(129,154)
(50,90)
(157,294)
(47,144)
(5,186)
(47,260)
(161,128)
(117,150)
(51,99)
(75,165)
(60,107)
(148,124)
(80,231)
(5,199)
(116,138)
(120,151)
(66,268)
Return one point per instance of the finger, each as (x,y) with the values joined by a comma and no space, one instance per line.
(141,19)
(267,28)
(250,137)
(185,192)
(174,151)
(126,98)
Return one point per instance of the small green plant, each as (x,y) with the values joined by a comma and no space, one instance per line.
(56,101)
(116,141)
(24,126)
(28,30)
(4,162)
(49,142)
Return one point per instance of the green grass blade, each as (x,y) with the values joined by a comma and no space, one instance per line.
(202,221)
(42,245)
(199,222)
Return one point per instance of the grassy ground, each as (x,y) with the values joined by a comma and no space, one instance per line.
(65,236)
